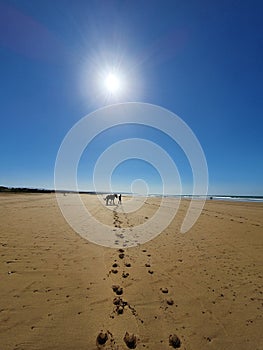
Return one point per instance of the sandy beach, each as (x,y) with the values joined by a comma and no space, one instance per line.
(59,291)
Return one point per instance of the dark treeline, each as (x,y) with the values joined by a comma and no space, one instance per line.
(39,190)
(42,190)
(24,190)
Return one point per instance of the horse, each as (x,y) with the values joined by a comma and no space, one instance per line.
(110,197)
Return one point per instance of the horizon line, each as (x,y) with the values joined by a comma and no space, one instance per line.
(37,189)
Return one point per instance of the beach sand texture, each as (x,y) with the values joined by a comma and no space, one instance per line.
(59,291)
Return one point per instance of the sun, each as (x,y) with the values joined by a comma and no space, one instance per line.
(112,83)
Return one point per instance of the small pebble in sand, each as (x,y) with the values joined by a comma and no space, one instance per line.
(102,338)
(115,265)
(130,340)
(150,272)
(127,264)
(147,265)
(170,301)
(125,274)
(174,341)
(164,290)
(121,250)
(121,255)
(114,271)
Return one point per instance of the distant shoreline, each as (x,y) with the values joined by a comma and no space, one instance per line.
(235,198)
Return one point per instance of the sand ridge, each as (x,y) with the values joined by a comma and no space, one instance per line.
(59,291)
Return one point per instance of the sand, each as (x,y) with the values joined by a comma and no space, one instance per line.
(199,290)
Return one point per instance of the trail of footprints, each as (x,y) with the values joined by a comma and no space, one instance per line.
(120,305)
(117,226)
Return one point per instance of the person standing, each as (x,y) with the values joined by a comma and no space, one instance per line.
(119,199)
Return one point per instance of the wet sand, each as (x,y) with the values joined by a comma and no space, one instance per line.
(59,291)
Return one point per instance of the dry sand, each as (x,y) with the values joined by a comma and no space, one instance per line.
(58,290)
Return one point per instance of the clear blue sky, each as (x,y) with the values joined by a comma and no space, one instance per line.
(200,59)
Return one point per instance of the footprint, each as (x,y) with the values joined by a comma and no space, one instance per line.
(117,289)
(119,309)
(102,338)
(174,341)
(130,340)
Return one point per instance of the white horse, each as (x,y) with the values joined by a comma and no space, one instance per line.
(110,198)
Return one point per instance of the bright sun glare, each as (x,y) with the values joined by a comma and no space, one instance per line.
(112,83)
